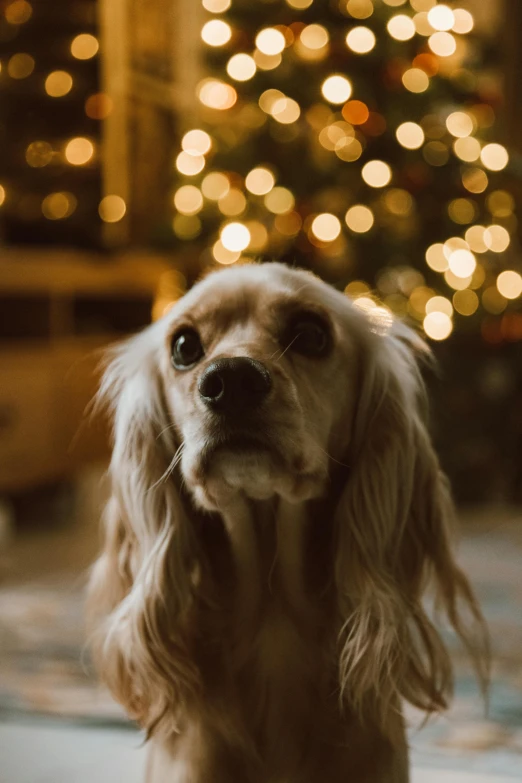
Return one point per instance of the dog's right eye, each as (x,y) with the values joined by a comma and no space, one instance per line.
(186,349)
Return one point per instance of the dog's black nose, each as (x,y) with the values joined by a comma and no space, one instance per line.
(239,384)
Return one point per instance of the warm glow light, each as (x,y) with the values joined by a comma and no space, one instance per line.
(326,227)
(18,12)
(436,258)
(465,302)
(279,201)
(376,173)
(268,98)
(475,180)
(394,3)
(494,157)
(467,149)
(441,17)
(79,151)
(20,66)
(462,211)
(39,154)
(359,219)
(58,84)
(196,142)
(190,165)
(355,112)
(216,6)
(438,326)
(188,200)
(285,110)
(361,40)
(456,282)
(235,237)
(410,135)
(258,235)
(422,5)
(497,238)
(216,94)
(216,33)
(300,4)
(57,206)
(501,204)
(84,46)
(443,44)
(223,255)
(464,22)
(415,80)
(241,67)
(112,209)
(314,36)
(267,62)
(348,149)
(439,304)
(462,263)
(398,201)
(475,238)
(2,195)
(459,124)
(215,185)
(232,203)
(259,181)
(270,41)
(401,27)
(359,9)
(509,284)
(98,106)
(336,89)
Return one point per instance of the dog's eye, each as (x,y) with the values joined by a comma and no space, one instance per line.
(186,349)
(308,334)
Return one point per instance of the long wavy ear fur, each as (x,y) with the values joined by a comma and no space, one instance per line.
(141,590)
(393,539)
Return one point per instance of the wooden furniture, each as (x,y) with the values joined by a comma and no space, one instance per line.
(58,310)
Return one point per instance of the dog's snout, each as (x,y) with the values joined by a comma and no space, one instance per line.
(237,384)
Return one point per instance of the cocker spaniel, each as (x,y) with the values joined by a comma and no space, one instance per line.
(277,512)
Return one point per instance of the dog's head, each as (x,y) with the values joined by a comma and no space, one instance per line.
(263,381)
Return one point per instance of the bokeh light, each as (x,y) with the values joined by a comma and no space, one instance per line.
(497,238)
(326,227)
(465,302)
(460,124)
(18,12)
(509,283)
(462,211)
(232,203)
(285,110)
(438,326)
(98,106)
(260,181)
(270,41)
(475,237)
(223,255)
(39,154)
(336,89)
(475,180)
(493,301)
(196,142)
(462,263)
(441,17)
(360,9)
(279,201)
(79,151)
(300,4)
(464,21)
(186,226)
(359,218)
(439,304)
(401,27)
(190,165)
(84,46)
(188,200)
(436,258)
(20,66)
(361,40)
(376,173)
(500,203)
(241,67)
(216,32)
(314,36)
(415,80)
(410,135)
(58,84)
(235,237)
(215,185)
(57,206)
(216,6)
(467,149)
(112,209)
(443,44)
(216,94)
(495,157)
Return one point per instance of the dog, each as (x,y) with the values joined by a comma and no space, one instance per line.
(277,513)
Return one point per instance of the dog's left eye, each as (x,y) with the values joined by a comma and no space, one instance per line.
(308,334)
(186,349)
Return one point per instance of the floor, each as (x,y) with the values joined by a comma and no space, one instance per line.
(58,726)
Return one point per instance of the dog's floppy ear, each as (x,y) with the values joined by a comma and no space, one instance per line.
(141,588)
(392,539)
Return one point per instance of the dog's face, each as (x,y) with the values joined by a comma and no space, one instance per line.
(258,368)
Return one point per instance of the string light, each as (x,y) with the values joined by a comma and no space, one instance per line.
(376,173)
(196,142)
(415,80)
(241,67)
(475,237)
(467,149)
(336,89)
(58,84)
(497,238)
(401,27)
(509,284)
(279,200)
(215,185)
(410,135)
(436,258)
(112,209)
(84,46)
(464,21)
(475,180)
(223,255)
(443,44)
(235,237)
(190,165)
(460,124)
(216,94)
(361,40)
(259,181)
(359,219)
(216,33)
(326,227)
(439,304)
(314,36)
(188,200)
(422,25)
(285,110)
(438,326)
(79,151)
(232,203)
(270,41)
(462,263)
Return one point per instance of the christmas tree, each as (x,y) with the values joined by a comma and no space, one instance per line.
(358,139)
